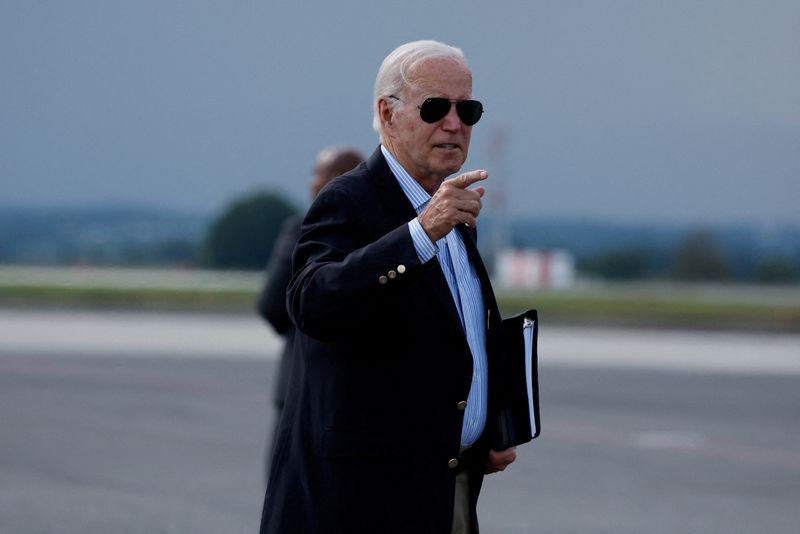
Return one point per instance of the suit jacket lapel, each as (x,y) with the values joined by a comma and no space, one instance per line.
(396,206)
(468,236)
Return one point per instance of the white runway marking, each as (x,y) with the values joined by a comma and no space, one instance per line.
(99,333)
(111,333)
(671,349)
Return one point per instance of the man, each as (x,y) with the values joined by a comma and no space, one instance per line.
(393,397)
(330,163)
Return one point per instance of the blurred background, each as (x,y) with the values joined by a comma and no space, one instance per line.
(644,162)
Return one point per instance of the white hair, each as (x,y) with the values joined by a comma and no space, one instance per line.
(393,73)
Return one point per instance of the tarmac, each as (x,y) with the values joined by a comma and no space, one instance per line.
(158,423)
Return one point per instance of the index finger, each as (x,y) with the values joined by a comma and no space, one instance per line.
(462,181)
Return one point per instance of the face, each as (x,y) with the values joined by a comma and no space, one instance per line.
(322,176)
(430,152)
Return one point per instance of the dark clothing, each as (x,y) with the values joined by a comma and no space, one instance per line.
(272,300)
(372,420)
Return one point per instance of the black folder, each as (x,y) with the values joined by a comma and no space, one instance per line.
(519,417)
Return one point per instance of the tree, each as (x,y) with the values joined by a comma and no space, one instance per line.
(775,270)
(700,258)
(619,264)
(242,236)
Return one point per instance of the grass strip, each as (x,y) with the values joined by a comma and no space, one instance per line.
(233,300)
(679,312)
(605,308)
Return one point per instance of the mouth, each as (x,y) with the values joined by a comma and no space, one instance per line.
(447,146)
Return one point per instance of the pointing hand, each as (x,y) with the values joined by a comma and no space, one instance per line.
(453,204)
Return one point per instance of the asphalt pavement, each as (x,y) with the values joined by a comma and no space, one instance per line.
(162,429)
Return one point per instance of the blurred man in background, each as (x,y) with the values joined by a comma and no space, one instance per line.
(330,163)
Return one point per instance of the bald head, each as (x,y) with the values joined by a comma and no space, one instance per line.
(332,162)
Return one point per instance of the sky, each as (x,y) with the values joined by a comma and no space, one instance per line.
(632,111)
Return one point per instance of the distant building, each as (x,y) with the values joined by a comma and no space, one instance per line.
(535,269)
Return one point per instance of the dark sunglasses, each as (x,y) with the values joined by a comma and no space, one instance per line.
(435,109)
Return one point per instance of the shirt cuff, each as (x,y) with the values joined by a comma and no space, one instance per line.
(426,249)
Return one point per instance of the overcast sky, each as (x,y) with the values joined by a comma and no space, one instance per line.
(648,111)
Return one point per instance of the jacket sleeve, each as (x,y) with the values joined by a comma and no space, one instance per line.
(271,304)
(341,280)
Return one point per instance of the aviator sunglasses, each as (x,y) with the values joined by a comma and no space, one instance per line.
(435,109)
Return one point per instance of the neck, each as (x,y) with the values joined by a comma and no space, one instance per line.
(430,183)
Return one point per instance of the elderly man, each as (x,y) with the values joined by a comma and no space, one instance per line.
(393,396)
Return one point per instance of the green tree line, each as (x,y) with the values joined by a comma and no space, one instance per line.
(698,258)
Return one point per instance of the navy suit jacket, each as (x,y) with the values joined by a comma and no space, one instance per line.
(372,417)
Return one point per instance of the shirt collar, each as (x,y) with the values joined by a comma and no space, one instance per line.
(415,193)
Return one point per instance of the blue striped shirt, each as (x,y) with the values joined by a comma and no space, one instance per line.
(465,286)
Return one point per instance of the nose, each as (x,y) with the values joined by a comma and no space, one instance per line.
(451,122)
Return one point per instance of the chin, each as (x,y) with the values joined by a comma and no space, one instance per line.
(450,165)
(452,168)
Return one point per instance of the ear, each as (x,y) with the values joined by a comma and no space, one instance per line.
(386,115)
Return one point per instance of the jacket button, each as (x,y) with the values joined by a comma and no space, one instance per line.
(462,405)
(452,463)
(401,269)
(392,274)
(382,279)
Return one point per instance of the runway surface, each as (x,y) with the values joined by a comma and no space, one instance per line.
(151,423)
